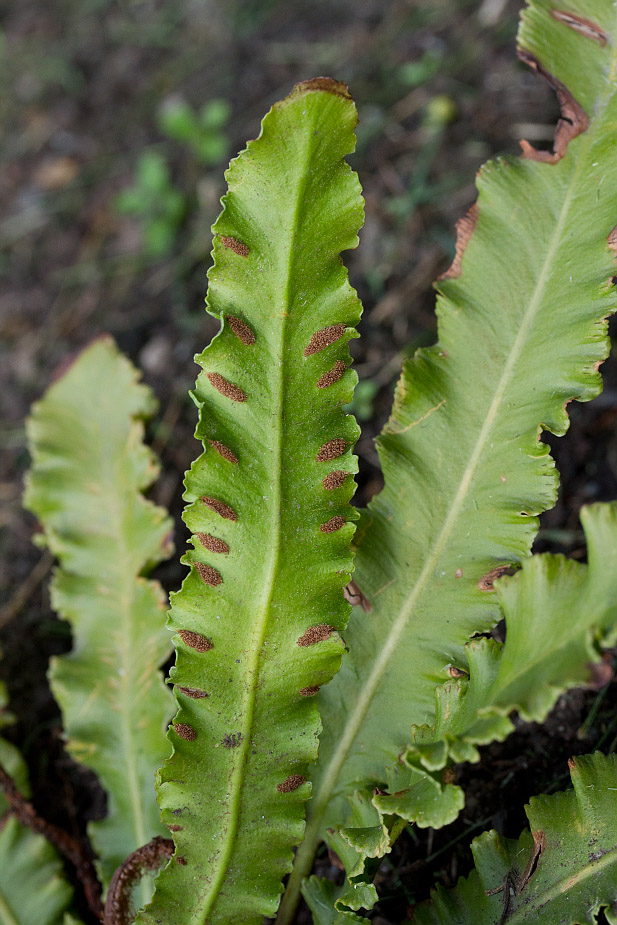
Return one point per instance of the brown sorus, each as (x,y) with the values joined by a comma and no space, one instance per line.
(290,783)
(228,389)
(220,507)
(213,543)
(238,247)
(332,525)
(240,329)
(333,375)
(208,575)
(185,731)
(224,451)
(324,338)
(334,479)
(195,640)
(191,692)
(331,450)
(314,634)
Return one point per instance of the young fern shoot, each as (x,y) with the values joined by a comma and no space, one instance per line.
(256,622)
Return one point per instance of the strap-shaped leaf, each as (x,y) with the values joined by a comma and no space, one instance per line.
(465,473)
(563,870)
(89,469)
(256,619)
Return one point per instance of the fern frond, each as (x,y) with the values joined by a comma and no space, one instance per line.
(256,622)
(564,869)
(465,472)
(89,469)
(32,883)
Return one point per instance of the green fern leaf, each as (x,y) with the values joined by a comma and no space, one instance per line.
(465,473)
(32,884)
(257,618)
(88,473)
(322,897)
(562,871)
(544,654)
(558,613)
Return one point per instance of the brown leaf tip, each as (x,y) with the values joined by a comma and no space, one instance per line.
(334,479)
(325,84)
(464,229)
(585,26)
(333,375)
(236,246)
(331,450)
(309,691)
(601,673)
(208,575)
(228,389)
(315,634)
(332,525)
(486,582)
(324,338)
(241,330)
(223,509)
(195,641)
(213,543)
(224,451)
(448,776)
(192,692)
(232,741)
(185,731)
(573,121)
(455,672)
(290,783)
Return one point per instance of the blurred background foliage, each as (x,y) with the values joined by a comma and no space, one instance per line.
(117,119)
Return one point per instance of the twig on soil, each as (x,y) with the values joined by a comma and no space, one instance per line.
(26,589)
(68,846)
(149,857)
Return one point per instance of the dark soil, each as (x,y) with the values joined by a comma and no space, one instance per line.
(84,81)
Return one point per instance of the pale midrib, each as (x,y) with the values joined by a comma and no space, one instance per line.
(330,777)
(398,628)
(129,700)
(239,774)
(562,886)
(6,913)
(124,633)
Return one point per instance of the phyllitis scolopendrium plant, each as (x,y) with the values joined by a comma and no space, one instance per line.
(256,626)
